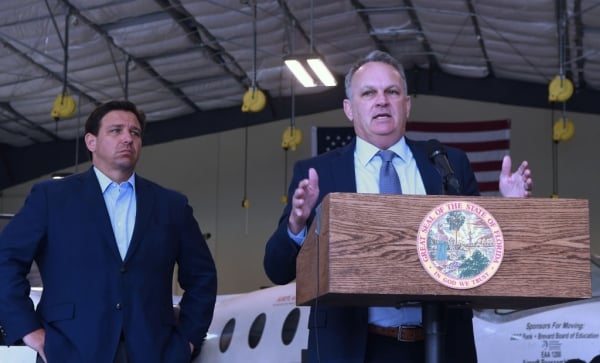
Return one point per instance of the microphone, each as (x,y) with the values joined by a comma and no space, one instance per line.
(437,155)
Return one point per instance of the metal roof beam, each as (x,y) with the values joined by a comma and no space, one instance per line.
(195,31)
(480,40)
(139,61)
(362,13)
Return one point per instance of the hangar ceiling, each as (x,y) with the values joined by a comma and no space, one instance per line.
(187,63)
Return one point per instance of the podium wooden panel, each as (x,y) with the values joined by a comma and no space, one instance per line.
(365,253)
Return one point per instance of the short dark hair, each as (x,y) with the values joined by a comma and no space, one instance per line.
(374,56)
(92,125)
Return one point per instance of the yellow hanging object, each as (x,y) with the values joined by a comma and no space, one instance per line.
(292,137)
(246,203)
(254,100)
(560,89)
(563,130)
(64,106)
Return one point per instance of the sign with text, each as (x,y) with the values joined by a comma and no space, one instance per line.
(554,334)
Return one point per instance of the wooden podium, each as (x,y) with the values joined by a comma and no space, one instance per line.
(361,250)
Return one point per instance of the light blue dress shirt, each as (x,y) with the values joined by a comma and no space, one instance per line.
(366,169)
(121,205)
(367,165)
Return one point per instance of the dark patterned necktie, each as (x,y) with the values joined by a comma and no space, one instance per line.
(389,183)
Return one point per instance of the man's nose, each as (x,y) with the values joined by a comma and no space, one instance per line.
(127,138)
(381,98)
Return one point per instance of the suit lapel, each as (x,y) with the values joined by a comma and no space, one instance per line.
(342,169)
(431,177)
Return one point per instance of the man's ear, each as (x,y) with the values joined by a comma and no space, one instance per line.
(348,109)
(90,142)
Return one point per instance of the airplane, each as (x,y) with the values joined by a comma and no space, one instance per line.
(266,326)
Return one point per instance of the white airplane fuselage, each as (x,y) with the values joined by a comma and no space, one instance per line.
(259,326)
(266,326)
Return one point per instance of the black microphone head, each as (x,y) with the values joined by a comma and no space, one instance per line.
(434,148)
(437,155)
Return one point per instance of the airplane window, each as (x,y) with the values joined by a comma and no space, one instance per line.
(256,330)
(226,335)
(290,326)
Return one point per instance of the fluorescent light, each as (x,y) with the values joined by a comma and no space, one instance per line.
(306,74)
(320,69)
(300,72)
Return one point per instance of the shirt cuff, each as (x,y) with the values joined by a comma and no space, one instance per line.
(298,238)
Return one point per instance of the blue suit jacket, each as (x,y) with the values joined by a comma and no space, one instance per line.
(90,294)
(343,330)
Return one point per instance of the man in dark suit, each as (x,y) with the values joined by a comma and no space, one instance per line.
(378,106)
(106,242)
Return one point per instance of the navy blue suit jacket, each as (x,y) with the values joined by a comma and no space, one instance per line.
(343,330)
(91,296)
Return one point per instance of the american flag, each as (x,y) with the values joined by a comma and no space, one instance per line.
(485,142)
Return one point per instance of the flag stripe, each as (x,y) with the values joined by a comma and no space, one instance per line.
(479,146)
(487,166)
(487,176)
(458,127)
(483,156)
(488,188)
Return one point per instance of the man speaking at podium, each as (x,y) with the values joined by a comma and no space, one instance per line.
(378,105)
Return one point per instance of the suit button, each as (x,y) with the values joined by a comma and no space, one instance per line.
(123,269)
(118,306)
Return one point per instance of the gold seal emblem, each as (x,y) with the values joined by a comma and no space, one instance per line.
(460,244)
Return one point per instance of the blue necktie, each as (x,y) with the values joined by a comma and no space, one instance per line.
(389,183)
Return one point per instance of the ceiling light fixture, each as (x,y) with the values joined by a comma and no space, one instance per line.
(309,69)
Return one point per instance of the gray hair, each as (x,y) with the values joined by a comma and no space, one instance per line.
(374,56)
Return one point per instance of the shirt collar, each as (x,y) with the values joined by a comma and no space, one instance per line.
(106,181)
(366,151)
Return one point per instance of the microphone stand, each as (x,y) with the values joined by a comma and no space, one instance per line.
(435,332)
(434,321)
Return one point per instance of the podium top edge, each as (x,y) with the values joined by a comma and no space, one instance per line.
(463,197)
